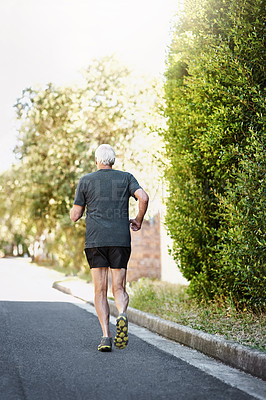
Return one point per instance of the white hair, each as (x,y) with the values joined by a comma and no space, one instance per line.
(105,155)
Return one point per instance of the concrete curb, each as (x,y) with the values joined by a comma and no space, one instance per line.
(61,288)
(230,353)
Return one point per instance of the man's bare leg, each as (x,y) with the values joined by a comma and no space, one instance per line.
(100,280)
(121,302)
(119,289)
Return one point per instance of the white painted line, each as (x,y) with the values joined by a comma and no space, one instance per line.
(231,376)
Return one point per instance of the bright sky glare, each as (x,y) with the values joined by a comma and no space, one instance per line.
(45,41)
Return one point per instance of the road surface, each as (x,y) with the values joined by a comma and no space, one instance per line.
(48,351)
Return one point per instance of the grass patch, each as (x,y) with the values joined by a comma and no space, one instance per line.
(218,317)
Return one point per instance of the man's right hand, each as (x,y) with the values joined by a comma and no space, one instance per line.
(135,225)
(143,198)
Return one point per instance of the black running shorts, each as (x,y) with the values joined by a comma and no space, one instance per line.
(109,256)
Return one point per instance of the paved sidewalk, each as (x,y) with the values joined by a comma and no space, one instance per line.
(230,353)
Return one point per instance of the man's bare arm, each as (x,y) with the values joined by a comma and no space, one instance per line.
(143,199)
(76,212)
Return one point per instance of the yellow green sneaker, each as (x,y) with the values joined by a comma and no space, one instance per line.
(106,344)
(121,338)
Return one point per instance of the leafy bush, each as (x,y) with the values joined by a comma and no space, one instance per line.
(214,104)
(242,233)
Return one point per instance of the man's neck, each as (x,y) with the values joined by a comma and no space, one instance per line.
(102,166)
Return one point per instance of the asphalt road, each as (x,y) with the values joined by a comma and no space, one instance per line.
(48,351)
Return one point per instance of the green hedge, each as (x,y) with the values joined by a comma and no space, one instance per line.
(214,143)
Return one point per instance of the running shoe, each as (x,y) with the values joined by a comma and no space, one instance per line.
(106,344)
(121,338)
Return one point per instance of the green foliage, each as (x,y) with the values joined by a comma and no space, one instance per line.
(243,249)
(59,130)
(14,226)
(219,316)
(214,103)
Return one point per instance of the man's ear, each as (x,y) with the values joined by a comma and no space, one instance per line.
(95,160)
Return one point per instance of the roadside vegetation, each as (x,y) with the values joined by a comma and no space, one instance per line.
(215,149)
(59,129)
(219,316)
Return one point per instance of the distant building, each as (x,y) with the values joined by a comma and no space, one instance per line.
(150,256)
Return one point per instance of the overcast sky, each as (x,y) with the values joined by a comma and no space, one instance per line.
(45,41)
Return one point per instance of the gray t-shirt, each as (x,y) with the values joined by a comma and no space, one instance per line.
(106,194)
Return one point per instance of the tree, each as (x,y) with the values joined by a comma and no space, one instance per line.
(59,130)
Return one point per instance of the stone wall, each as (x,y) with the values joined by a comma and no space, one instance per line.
(145,257)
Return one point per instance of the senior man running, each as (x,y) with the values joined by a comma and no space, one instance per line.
(106,194)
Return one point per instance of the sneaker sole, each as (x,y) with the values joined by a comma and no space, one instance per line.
(105,349)
(121,339)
